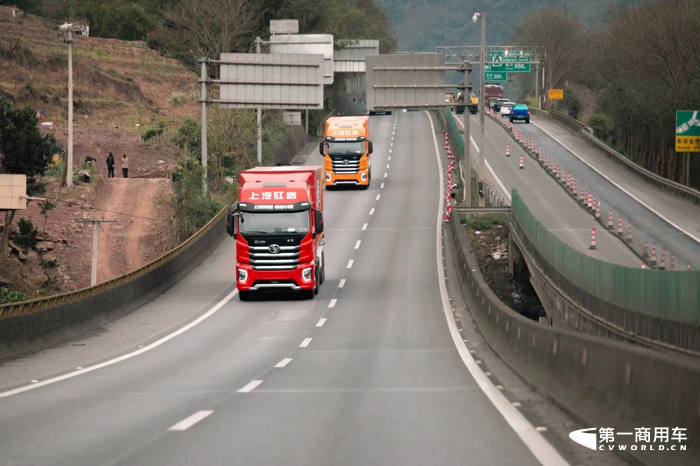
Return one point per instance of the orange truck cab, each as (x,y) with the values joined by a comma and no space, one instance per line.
(346,149)
(278,228)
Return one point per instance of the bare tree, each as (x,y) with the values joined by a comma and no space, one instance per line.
(195,28)
(564,37)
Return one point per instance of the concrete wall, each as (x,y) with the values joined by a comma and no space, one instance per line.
(600,382)
(31,331)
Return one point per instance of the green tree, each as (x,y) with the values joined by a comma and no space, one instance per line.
(25,238)
(23,151)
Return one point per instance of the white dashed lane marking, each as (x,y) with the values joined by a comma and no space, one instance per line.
(305,343)
(250,387)
(283,362)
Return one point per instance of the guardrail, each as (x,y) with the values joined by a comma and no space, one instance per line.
(660,308)
(31,325)
(586,133)
(600,382)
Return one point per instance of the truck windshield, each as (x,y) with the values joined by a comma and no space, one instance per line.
(346,148)
(274,222)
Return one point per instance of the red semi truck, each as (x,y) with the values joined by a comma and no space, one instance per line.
(278,228)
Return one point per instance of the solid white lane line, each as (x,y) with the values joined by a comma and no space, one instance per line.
(545,453)
(250,387)
(305,343)
(618,186)
(124,357)
(332,303)
(357,244)
(378,196)
(283,363)
(342,283)
(190,421)
(382,186)
(364,227)
(371,212)
(350,263)
(321,322)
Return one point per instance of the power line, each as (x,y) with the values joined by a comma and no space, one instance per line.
(72,203)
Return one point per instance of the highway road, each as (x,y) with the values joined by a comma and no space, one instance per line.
(655,215)
(373,371)
(545,198)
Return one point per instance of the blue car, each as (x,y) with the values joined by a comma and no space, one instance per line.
(520,112)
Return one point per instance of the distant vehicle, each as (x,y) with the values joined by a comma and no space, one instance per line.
(506,108)
(520,112)
(492,91)
(474,107)
(449,97)
(498,103)
(278,228)
(347,151)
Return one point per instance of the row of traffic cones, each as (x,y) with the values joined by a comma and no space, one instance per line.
(450,185)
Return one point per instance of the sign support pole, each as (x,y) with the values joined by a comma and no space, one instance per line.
(482,102)
(537,85)
(203,100)
(467,133)
(259,41)
(687,169)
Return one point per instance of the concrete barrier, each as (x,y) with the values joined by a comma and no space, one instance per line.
(33,325)
(599,382)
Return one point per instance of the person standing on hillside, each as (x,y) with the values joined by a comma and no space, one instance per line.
(110,166)
(125,167)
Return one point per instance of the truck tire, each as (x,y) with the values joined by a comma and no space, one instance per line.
(388,113)
(244,295)
(323,268)
(527,121)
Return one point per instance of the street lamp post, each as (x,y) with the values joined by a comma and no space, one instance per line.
(482,99)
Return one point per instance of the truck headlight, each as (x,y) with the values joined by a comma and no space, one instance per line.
(242,275)
(306,274)
(364,177)
(328,176)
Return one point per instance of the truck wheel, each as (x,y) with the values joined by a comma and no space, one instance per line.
(388,113)
(323,268)
(244,295)
(527,121)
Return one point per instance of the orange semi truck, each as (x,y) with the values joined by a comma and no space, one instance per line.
(347,150)
(278,228)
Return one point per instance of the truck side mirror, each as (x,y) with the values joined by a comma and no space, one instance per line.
(370,148)
(320,148)
(231,224)
(318,220)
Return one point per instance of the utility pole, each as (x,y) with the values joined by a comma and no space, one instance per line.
(259,41)
(537,85)
(69,162)
(96,225)
(482,101)
(203,79)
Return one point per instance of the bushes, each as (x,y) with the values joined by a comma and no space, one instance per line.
(8,296)
(573,103)
(25,238)
(486,221)
(151,131)
(602,126)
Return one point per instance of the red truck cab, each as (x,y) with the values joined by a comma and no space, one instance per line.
(278,228)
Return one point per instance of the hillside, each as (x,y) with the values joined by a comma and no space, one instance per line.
(422,25)
(119,88)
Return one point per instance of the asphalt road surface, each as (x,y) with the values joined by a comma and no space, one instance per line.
(368,373)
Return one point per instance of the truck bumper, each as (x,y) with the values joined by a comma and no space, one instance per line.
(248,279)
(360,178)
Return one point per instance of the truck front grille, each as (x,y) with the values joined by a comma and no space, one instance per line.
(262,259)
(346,166)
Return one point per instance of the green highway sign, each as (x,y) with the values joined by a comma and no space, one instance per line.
(510,67)
(687,131)
(510,52)
(495,76)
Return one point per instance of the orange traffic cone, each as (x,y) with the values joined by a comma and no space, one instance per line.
(629,232)
(662,265)
(653,253)
(592,239)
(521,162)
(507,150)
(610,221)
(673,263)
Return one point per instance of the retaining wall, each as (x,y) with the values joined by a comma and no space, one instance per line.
(33,325)
(600,382)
